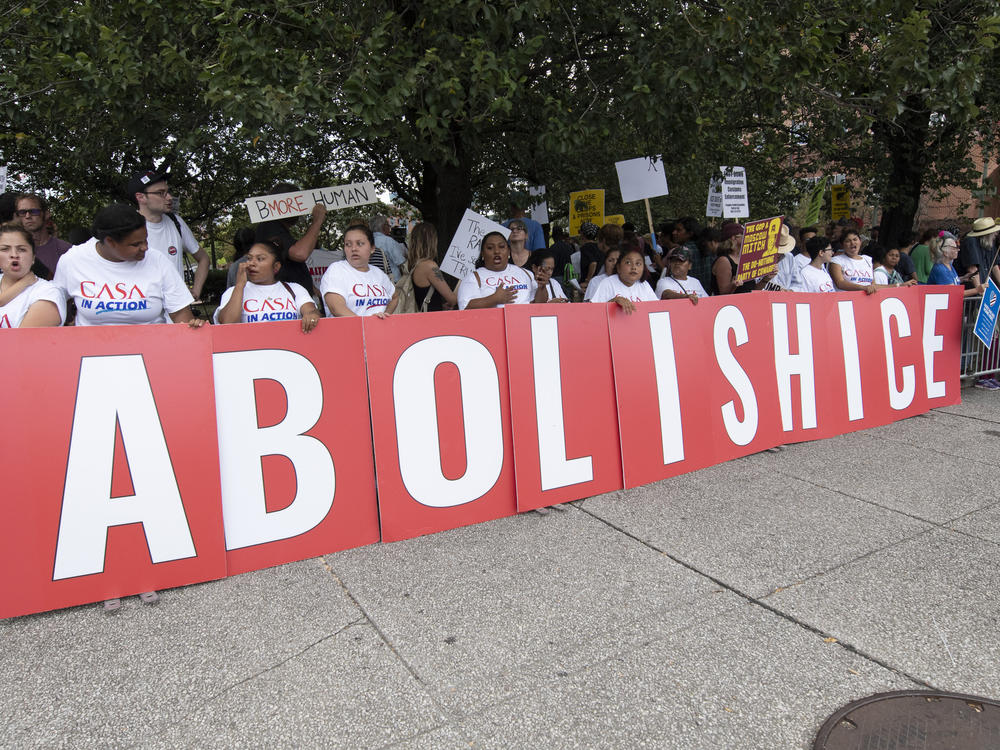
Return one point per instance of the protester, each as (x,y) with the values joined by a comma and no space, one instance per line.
(885,262)
(610,263)
(114,280)
(726,265)
(166,232)
(944,250)
(852,271)
(519,202)
(591,257)
(33,213)
(788,275)
(814,276)
(804,236)
(8,204)
(920,254)
(352,286)
(26,301)
(257,296)
(543,266)
(394,252)
(297,251)
(563,250)
(981,242)
(519,253)
(904,243)
(430,289)
(626,286)
(496,281)
(678,284)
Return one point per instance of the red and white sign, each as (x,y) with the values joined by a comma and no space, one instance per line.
(441,420)
(111,486)
(295,446)
(129,470)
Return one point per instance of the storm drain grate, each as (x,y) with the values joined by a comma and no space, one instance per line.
(913,720)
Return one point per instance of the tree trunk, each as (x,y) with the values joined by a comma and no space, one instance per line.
(907,147)
(445,193)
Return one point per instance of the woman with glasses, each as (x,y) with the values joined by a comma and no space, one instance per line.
(944,250)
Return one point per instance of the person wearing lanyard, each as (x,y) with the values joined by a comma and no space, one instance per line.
(543,265)
(678,285)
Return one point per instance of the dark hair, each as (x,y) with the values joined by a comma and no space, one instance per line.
(5,228)
(540,256)
(806,230)
(243,240)
(848,232)
(482,246)
(690,225)
(816,245)
(558,233)
(708,234)
(361,228)
(284,187)
(610,234)
(272,246)
(905,238)
(117,221)
(625,252)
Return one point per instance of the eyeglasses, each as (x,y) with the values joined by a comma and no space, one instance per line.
(28,212)
(160,193)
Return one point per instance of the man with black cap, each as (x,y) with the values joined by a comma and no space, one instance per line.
(167,232)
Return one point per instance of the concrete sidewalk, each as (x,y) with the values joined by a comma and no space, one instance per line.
(736,607)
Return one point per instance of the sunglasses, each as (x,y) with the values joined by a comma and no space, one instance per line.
(29,212)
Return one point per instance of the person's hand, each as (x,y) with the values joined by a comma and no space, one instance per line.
(503,295)
(195,323)
(318,212)
(241,274)
(625,304)
(871,289)
(911,282)
(542,276)
(693,297)
(309,321)
(382,315)
(557,299)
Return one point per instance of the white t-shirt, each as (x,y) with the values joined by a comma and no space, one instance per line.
(857,270)
(553,289)
(613,287)
(366,292)
(14,311)
(512,277)
(131,292)
(592,286)
(789,272)
(270,302)
(164,238)
(689,285)
(815,280)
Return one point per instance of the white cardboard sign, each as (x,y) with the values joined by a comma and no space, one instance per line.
(641,178)
(714,207)
(460,260)
(540,210)
(3,179)
(735,196)
(301,202)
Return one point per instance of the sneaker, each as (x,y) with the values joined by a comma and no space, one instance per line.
(995,382)
(988,384)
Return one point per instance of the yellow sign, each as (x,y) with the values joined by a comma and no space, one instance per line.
(840,202)
(618,219)
(585,205)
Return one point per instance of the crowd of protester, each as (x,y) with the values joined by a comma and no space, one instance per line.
(130,269)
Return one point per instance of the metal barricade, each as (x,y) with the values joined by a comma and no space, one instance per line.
(977,360)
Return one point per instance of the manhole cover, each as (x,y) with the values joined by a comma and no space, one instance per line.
(913,720)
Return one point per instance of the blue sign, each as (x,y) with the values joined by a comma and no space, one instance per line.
(986,319)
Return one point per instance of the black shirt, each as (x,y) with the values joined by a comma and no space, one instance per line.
(294,271)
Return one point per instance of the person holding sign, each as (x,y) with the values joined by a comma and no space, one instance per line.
(626,287)
(496,281)
(351,286)
(814,277)
(114,280)
(258,297)
(543,266)
(297,251)
(26,301)
(677,284)
(852,271)
(724,269)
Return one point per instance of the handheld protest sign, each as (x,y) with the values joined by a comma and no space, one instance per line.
(440,406)
(986,317)
(840,202)
(463,251)
(539,210)
(563,408)
(295,451)
(129,411)
(759,249)
(735,195)
(301,202)
(585,205)
(642,179)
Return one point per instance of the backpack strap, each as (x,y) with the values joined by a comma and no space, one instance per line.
(479,282)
